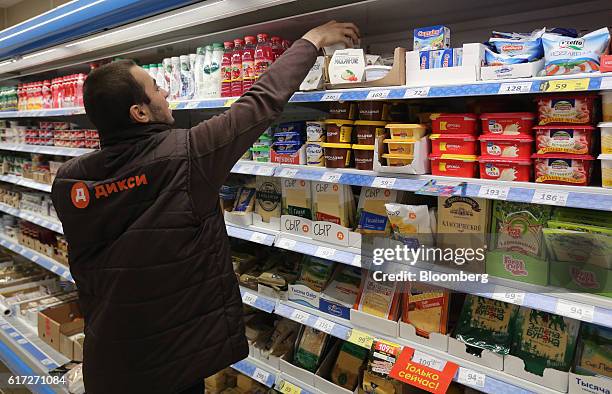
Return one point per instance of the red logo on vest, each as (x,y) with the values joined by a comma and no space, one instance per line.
(80,195)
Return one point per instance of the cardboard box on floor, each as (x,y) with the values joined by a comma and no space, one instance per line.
(65,319)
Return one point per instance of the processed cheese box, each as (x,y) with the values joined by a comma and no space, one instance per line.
(296,198)
(426,308)
(594,354)
(371,212)
(380,299)
(333,203)
(268,198)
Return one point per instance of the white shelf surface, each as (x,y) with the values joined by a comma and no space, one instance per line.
(17,180)
(45,150)
(46,222)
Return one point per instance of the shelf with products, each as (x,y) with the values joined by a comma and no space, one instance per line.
(20,181)
(45,150)
(257,370)
(50,223)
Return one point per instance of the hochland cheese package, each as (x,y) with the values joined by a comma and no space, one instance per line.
(333,203)
(426,308)
(380,299)
(268,198)
(297,198)
(463,222)
(371,213)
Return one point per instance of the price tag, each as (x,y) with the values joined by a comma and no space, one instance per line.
(331,96)
(470,377)
(606,83)
(246,168)
(228,103)
(46,361)
(263,170)
(173,105)
(515,87)
(330,177)
(494,192)
(249,298)
(66,274)
(325,253)
(324,325)
(361,338)
(5,327)
(258,238)
(22,341)
(288,388)
(379,94)
(261,376)
(356,261)
(428,361)
(550,197)
(565,85)
(288,173)
(575,310)
(386,183)
(192,104)
(35,258)
(299,316)
(506,294)
(286,243)
(54,268)
(14,334)
(417,92)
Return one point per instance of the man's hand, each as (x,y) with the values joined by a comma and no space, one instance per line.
(333,33)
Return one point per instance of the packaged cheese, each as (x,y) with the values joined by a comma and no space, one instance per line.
(378,298)
(426,308)
(381,358)
(583,216)
(463,222)
(316,273)
(268,198)
(371,212)
(245,200)
(594,353)
(348,365)
(486,324)
(410,224)
(297,198)
(544,340)
(342,290)
(282,339)
(310,349)
(333,203)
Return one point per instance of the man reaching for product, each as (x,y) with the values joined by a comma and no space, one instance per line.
(147,243)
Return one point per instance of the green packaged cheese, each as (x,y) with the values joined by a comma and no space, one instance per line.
(316,273)
(544,340)
(583,216)
(518,227)
(310,349)
(486,324)
(579,243)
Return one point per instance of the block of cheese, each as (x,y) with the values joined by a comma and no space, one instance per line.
(371,213)
(296,198)
(268,198)
(378,298)
(426,308)
(333,203)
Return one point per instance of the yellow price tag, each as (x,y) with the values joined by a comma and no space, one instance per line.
(288,388)
(565,85)
(174,105)
(361,338)
(228,103)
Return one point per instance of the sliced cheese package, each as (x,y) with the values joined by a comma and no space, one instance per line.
(378,298)
(426,308)
(463,222)
(245,200)
(339,297)
(310,349)
(316,273)
(594,354)
(371,212)
(348,365)
(268,198)
(333,203)
(410,224)
(297,198)
(544,340)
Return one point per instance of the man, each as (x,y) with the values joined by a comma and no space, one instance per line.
(147,243)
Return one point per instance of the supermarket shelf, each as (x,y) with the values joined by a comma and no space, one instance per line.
(44,261)
(256,300)
(257,370)
(27,355)
(42,113)
(314,318)
(25,183)
(49,223)
(252,233)
(45,150)
(296,243)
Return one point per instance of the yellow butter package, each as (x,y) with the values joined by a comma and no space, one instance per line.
(371,212)
(297,198)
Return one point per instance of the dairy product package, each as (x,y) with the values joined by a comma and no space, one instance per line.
(515,48)
(426,308)
(572,55)
(379,298)
(441,58)
(333,203)
(268,197)
(315,78)
(347,65)
(431,38)
(371,212)
(296,198)
(410,224)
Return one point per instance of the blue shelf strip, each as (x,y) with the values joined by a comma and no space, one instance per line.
(45,262)
(27,346)
(261,302)
(19,367)
(47,223)
(250,235)
(250,369)
(338,330)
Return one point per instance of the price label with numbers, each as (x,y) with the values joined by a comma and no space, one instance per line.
(14,334)
(515,87)
(22,341)
(575,310)
(356,261)
(299,316)
(261,376)
(383,182)
(606,83)
(471,377)
(35,258)
(550,197)
(330,177)
(324,325)
(494,192)
(192,104)
(264,170)
(246,168)
(54,268)
(286,243)
(173,105)
(506,294)
(288,173)
(325,253)
(249,298)
(417,92)
(331,96)
(361,338)
(379,94)
(288,388)
(258,237)
(565,85)
(428,361)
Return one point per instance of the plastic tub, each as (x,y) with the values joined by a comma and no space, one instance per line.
(398,160)
(342,110)
(374,110)
(364,156)
(453,144)
(314,154)
(577,140)
(494,145)
(376,72)
(606,106)
(463,166)
(454,123)
(338,130)
(315,131)
(406,131)
(337,155)
(501,169)
(606,170)
(366,131)
(400,147)
(564,109)
(563,169)
(507,123)
(606,137)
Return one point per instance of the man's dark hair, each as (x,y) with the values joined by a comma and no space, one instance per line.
(108,94)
